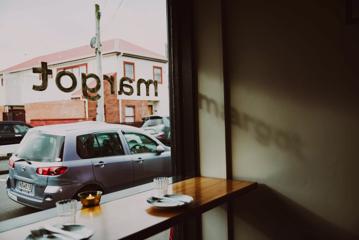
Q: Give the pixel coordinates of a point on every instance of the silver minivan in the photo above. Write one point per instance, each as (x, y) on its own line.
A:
(59, 161)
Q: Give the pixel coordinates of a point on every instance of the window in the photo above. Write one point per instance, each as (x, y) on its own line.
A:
(157, 74)
(98, 145)
(129, 114)
(40, 147)
(2, 82)
(21, 129)
(6, 129)
(110, 144)
(52, 106)
(129, 70)
(139, 143)
(87, 146)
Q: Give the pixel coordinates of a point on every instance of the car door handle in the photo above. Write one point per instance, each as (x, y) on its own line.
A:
(139, 161)
(100, 164)
(18, 135)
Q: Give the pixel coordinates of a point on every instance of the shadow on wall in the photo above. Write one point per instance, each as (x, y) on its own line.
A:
(291, 221)
(264, 133)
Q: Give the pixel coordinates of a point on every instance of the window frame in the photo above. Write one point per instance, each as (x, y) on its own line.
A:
(161, 75)
(134, 69)
(134, 113)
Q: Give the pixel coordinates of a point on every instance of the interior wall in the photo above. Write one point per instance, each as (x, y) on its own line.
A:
(211, 100)
(294, 71)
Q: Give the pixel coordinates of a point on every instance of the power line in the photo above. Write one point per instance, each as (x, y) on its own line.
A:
(113, 15)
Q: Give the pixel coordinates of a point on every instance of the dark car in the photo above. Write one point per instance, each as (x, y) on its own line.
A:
(159, 127)
(12, 132)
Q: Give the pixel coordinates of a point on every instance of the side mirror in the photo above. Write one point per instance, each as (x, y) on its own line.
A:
(160, 149)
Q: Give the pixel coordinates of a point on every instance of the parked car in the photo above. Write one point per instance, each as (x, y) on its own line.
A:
(11, 134)
(158, 127)
(59, 161)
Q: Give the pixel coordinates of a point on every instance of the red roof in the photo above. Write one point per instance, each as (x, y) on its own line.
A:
(114, 45)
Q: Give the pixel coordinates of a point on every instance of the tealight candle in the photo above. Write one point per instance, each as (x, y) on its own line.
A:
(90, 197)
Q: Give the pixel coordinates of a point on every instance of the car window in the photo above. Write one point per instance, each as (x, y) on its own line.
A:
(153, 122)
(6, 129)
(21, 129)
(139, 143)
(40, 147)
(87, 146)
(98, 145)
(109, 144)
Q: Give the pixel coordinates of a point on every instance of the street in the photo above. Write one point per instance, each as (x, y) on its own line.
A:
(8, 208)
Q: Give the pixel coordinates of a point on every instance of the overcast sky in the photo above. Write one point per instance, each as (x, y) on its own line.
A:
(32, 28)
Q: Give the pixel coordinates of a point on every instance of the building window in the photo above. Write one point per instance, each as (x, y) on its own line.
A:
(157, 74)
(130, 114)
(129, 70)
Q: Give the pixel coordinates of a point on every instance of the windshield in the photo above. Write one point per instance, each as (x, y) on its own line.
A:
(153, 122)
(40, 147)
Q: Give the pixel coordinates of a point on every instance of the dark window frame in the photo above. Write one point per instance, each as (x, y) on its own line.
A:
(184, 99)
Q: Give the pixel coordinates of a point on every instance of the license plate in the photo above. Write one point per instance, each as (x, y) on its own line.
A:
(24, 187)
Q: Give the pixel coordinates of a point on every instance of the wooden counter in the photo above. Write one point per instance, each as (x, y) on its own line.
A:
(133, 218)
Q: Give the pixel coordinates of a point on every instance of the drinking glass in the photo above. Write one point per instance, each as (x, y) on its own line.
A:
(161, 185)
(66, 210)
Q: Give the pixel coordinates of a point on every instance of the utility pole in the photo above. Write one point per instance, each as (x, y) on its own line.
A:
(100, 113)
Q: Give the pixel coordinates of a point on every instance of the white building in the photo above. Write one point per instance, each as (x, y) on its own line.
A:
(120, 58)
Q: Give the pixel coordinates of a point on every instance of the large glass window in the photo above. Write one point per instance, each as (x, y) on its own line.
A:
(51, 80)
